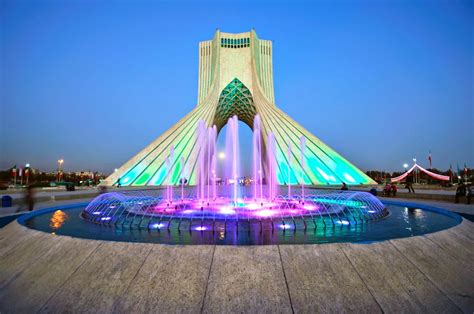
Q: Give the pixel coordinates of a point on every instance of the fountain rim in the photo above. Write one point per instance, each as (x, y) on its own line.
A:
(22, 219)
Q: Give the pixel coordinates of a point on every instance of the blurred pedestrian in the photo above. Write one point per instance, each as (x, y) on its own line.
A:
(393, 189)
(409, 184)
(28, 200)
(470, 191)
(460, 191)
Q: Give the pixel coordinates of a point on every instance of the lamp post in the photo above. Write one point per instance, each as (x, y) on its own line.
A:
(416, 171)
(27, 172)
(60, 163)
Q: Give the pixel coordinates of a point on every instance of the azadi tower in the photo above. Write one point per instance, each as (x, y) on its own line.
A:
(236, 78)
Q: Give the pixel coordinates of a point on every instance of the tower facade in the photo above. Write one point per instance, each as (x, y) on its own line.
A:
(236, 78)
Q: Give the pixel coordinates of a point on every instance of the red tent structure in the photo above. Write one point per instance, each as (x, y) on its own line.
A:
(431, 174)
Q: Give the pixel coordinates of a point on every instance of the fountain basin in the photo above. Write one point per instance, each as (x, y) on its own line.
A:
(335, 222)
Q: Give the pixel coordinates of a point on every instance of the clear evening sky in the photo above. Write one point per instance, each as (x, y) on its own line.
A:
(94, 82)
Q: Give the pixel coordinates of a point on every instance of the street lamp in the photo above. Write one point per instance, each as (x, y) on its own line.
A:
(27, 172)
(405, 165)
(415, 171)
(60, 163)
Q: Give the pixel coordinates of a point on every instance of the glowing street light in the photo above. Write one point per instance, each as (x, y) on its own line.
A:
(405, 165)
(115, 170)
(60, 163)
(221, 155)
(27, 172)
(416, 171)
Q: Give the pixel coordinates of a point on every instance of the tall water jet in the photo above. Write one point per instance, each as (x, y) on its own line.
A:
(208, 166)
(289, 169)
(257, 159)
(201, 133)
(302, 162)
(169, 168)
(232, 153)
(271, 163)
(214, 175)
(182, 177)
(211, 150)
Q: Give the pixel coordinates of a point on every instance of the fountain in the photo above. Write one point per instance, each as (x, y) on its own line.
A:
(234, 213)
(209, 207)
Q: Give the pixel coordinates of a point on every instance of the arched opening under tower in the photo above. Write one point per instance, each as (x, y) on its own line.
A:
(245, 151)
(235, 100)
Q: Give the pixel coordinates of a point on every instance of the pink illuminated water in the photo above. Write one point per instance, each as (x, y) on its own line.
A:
(289, 168)
(264, 164)
(201, 141)
(232, 166)
(271, 165)
(302, 161)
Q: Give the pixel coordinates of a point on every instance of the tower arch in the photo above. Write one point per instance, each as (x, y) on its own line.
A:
(235, 100)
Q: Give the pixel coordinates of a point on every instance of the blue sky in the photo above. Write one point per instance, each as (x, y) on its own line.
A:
(94, 82)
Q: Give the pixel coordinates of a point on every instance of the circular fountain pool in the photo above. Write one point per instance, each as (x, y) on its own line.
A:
(321, 216)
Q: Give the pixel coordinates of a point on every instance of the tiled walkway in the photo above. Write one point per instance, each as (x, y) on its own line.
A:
(48, 273)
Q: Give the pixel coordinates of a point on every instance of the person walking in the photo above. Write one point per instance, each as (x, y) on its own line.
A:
(460, 191)
(470, 191)
(30, 198)
(28, 201)
(409, 184)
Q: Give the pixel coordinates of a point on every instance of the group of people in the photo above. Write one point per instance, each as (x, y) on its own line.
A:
(390, 189)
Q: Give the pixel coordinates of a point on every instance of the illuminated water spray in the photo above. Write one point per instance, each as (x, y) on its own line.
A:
(201, 140)
(182, 177)
(233, 159)
(169, 167)
(302, 162)
(289, 168)
(271, 165)
(257, 160)
(207, 207)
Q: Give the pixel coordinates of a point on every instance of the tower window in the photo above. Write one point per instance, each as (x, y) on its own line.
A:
(236, 43)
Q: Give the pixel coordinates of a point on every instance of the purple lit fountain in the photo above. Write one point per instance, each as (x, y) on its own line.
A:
(210, 206)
